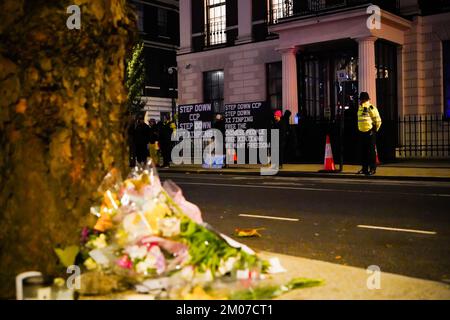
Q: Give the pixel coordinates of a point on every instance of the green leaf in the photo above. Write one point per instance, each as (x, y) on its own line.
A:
(299, 283)
(68, 255)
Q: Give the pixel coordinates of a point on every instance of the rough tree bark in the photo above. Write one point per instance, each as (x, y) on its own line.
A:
(62, 123)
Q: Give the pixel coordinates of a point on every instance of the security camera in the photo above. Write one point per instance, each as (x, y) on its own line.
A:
(172, 70)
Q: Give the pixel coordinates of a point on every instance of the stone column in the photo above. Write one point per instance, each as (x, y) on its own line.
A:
(185, 26)
(367, 74)
(245, 21)
(290, 88)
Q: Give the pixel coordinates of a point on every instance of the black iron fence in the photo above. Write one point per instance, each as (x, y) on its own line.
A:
(408, 137)
(423, 136)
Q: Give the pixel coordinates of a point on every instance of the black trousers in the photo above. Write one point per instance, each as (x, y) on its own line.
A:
(368, 155)
(166, 152)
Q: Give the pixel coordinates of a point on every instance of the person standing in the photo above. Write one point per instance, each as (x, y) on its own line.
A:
(153, 142)
(131, 128)
(219, 124)
(165, 140)
(369, 122)
(142, 138)
(280, 125)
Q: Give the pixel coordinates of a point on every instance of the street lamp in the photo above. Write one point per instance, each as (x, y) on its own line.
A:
(173, 71)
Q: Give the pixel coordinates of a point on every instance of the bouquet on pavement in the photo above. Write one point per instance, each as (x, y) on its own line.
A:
(151, 237)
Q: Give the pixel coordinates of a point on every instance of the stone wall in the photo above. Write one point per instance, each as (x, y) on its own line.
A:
(422, 64)
(244, 71)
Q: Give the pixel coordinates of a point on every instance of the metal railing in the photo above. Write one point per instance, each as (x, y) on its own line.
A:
(215, 33)
(423, 136)
(280, 10)
(285, 9)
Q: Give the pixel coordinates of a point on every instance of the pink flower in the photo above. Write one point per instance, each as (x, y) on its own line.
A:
(125, 262)
(84, 235)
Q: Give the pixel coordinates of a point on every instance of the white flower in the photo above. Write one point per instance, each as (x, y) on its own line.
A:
(149, 263)
(136, 252)
(99, 242)
(187, 273)
(227, 266)
(170, 227)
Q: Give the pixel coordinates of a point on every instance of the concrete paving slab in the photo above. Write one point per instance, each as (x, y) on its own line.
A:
(350, 283)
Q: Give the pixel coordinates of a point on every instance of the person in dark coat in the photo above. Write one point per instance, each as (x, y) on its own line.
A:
(290, 146)
(165, 140)
(153, 142)
(131, 143)
(282, 127)
(141, 139)
(219, 124)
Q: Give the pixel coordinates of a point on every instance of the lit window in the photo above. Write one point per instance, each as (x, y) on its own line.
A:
(213, 89)
(280, 9)
(215, 22)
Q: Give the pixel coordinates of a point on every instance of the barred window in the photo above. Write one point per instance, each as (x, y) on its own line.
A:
(215, 22)
(280, 9)
(213, 89)
(275, 85)
(162, 22)
(140, 16)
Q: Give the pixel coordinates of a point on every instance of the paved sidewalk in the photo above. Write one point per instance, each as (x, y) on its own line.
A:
(350, 283)
(402, 170)
(340, 283)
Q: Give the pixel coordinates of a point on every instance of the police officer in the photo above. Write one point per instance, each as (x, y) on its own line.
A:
(369, 122)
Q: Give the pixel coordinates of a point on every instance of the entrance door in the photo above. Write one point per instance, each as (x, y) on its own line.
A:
(328, 86)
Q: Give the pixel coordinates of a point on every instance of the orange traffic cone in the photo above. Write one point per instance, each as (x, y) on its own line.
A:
(329, 162)
(377, 160)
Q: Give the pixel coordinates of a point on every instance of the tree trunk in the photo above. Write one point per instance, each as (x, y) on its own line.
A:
(62, 123)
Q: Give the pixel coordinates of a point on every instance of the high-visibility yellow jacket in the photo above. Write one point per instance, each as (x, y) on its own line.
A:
(368, 117)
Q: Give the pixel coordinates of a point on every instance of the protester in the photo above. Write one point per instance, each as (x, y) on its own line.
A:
(153, 142)
(282, 126)
(141, 140)
(131, 140)
(165, 129)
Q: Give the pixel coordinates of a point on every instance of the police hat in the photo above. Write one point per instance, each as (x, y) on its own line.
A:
(364, 96)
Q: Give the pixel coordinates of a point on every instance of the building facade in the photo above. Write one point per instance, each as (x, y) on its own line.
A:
(313, 57)
(158, 24)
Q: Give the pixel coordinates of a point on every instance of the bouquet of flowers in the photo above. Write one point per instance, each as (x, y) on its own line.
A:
(148, 234)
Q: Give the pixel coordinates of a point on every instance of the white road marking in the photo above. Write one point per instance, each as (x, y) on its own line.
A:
(268, 217)
(310, 189)
(397, 229)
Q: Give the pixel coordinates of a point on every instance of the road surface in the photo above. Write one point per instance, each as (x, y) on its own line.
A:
(400, 226)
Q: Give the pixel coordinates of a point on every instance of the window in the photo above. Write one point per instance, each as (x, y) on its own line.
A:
(446, 63)
(162, 22)
(280, 9)
(213, 89)
(275, 85)
(316, 91)
(140, 16)
(215, 22)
